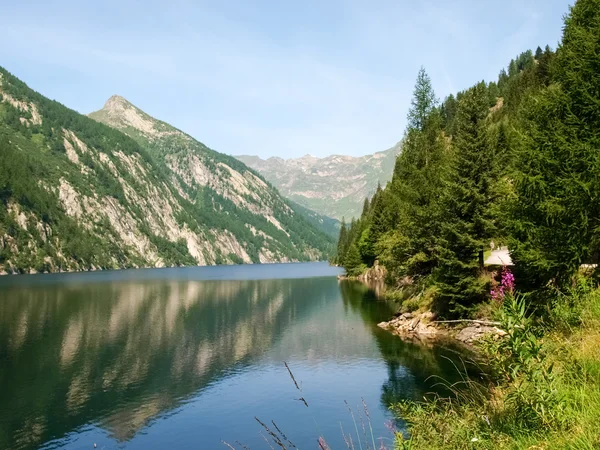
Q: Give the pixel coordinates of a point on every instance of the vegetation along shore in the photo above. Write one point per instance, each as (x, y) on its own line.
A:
(515, 162)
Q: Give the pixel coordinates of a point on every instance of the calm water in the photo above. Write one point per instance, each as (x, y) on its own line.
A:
(182, 358)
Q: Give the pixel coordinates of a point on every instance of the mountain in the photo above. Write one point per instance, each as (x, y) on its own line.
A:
(78, 195)
(323, 223)
(195, 166)
(335, 186)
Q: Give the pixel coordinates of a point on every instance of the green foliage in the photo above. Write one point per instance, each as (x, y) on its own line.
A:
(174, 253)
(21, 162)
(411, 304)
(342, 244)
(235, 259)
(326, 225)
(366, 246)
(353, 262)
(467, 223)
(523, 168)
(556, 215)
(545, 392)
(423, 102)
(490, 163)
(412, 207)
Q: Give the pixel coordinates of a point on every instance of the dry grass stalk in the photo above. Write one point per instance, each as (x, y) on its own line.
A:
(275, 437)
(283, 434)
(292, 376)
(266, 440)
(322, 444)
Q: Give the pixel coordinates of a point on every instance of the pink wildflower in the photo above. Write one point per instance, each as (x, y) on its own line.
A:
(507, 285)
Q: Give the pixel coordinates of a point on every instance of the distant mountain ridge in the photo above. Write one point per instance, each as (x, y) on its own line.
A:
(335, 186)
(78, 195)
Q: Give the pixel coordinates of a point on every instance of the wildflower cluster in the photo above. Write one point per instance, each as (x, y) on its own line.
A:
(507, 285)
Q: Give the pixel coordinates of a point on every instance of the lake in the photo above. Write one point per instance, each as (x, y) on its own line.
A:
(187, 357)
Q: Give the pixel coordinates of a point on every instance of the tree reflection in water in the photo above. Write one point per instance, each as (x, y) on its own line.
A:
(120, 353)
(415, 368)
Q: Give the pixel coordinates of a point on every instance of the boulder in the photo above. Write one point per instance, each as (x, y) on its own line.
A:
(409, 325)
(475, 332)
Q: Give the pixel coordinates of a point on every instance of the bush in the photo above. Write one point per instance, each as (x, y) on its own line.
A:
(411, 304)
(567, 307)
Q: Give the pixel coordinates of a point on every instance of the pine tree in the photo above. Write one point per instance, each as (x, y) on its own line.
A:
(342, 242)
(448, 112)
(556, 217)
(365, 210)
(538, 53)
(513, 69)
(423, 102)
(411, 204)
(366, 246)
(493, 93)
(353, 262)
(544, 67)
(378, 219)
(467, 222)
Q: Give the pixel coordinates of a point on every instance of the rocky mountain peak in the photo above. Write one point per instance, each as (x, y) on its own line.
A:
(116, 102)
(335, 186)
(120, 113)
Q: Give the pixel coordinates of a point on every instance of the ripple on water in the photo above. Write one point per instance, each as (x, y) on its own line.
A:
(166, 359)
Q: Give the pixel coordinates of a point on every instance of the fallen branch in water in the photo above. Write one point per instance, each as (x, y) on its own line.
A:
(481, 322)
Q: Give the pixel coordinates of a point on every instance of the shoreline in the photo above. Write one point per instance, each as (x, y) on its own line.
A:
(3, 271)
(422, 326)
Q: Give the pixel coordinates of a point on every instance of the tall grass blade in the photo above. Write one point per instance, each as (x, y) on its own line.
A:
(355, 426)
(369, 420)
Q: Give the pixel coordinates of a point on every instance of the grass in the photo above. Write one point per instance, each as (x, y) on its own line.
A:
(547, 389)
(412, 298)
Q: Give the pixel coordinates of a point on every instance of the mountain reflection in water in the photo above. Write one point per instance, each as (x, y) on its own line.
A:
(104, 359)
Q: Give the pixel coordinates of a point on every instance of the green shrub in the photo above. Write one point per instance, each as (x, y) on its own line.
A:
(411, 304)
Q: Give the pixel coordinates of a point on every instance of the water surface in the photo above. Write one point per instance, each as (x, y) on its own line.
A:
(183, 358)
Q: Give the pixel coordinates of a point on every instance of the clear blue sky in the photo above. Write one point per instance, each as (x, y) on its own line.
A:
(272, 78)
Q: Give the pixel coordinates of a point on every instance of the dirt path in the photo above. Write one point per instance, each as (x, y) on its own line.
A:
(499, 257)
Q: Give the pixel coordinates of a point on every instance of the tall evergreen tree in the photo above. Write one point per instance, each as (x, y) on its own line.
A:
(353, 262)
(556, 217)
(448, 112)
(513, 68)
(342, 243)
(467, 223)
(365, 210)
(423, 102)
(408, 246)
(493, 93)
(538, 53)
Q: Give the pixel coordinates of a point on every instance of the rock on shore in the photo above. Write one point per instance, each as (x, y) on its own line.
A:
(411, 325)
(423, 326)
(475, 332)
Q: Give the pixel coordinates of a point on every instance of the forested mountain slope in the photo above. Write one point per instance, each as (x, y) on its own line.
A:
(489, 164)
(202, 174)
(335, 186)
(77, 194)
